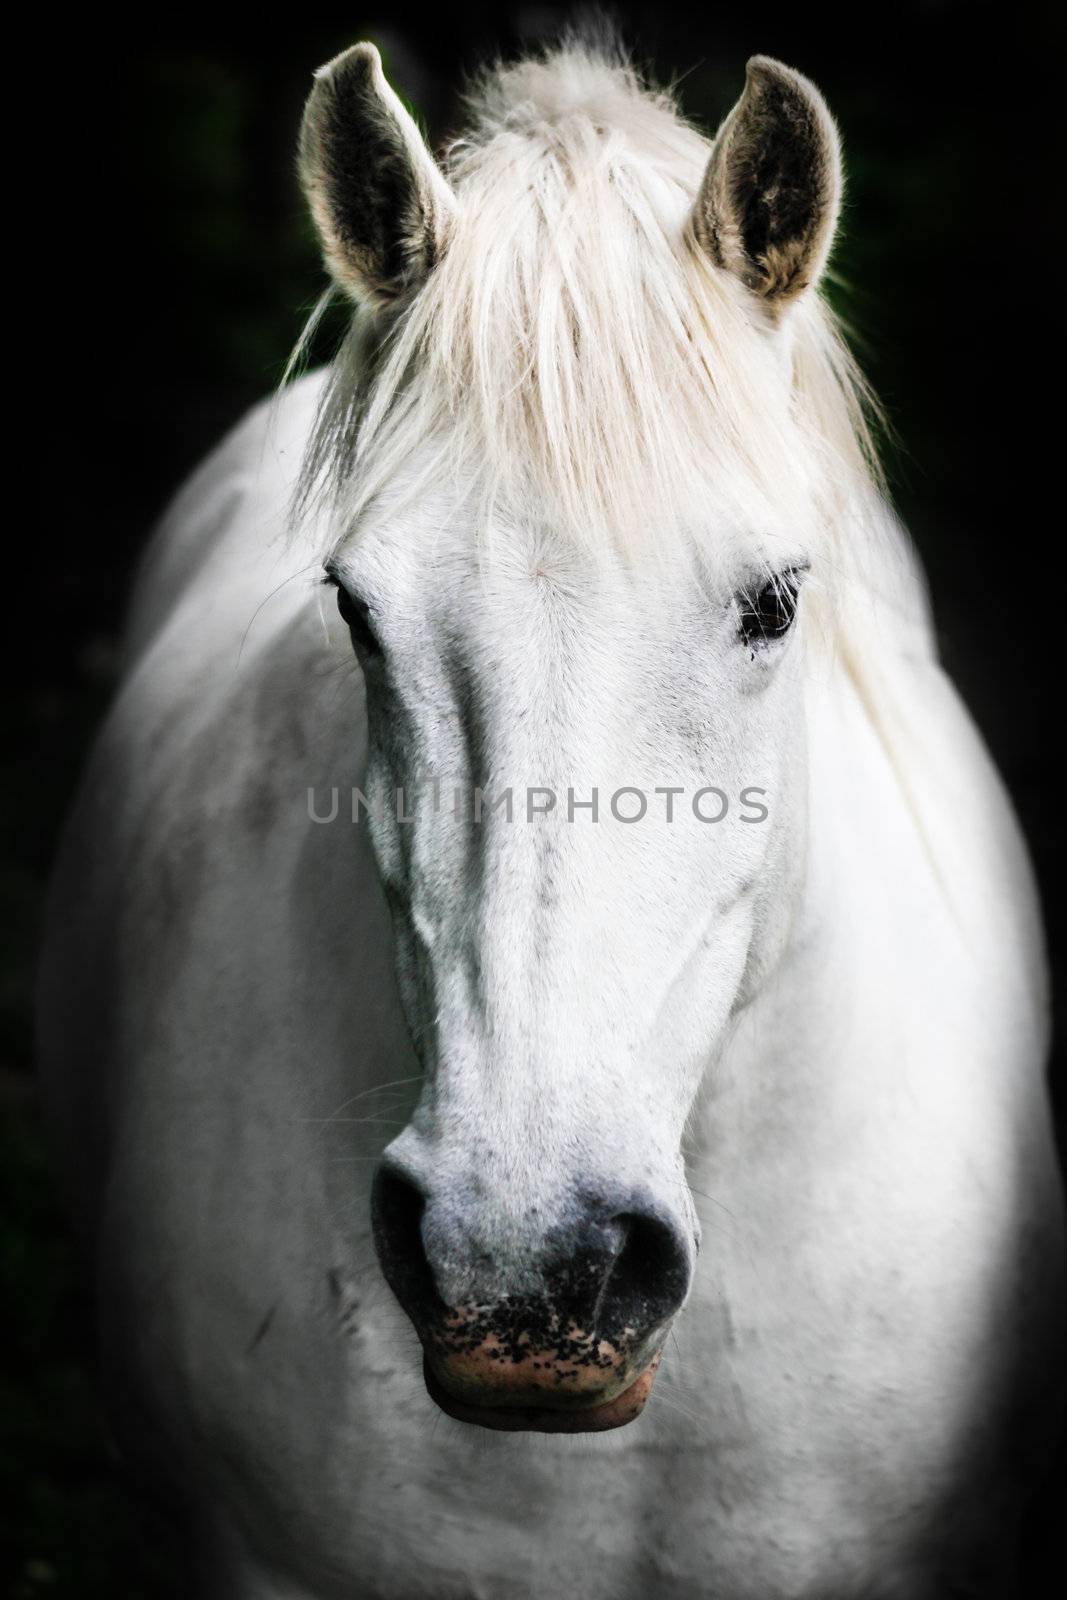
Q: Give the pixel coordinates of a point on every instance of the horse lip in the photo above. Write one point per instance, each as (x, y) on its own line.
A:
(595, 1418)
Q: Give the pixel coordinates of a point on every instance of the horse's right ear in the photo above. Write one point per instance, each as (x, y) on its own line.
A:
(768, 205)
(381, 204)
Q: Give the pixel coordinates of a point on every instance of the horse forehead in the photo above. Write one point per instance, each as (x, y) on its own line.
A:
(428, 551)
(452, 579)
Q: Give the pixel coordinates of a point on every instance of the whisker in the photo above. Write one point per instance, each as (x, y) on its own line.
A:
(375, 1088)
(386, 1122)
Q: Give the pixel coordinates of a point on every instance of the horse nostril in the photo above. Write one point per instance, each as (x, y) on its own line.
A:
(397, 1207)
(649, 1277)
(620, 1275)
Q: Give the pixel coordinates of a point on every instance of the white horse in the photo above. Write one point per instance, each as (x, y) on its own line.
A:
(721, 1007)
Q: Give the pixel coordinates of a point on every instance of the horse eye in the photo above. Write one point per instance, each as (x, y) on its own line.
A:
(356, 615)
(768, 614)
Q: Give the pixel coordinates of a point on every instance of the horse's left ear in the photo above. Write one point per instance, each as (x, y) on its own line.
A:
(381, 204)
(768, 205)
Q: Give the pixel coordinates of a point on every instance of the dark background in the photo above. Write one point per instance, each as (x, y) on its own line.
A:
(166, 269)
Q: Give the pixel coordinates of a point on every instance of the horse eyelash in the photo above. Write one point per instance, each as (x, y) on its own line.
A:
(779, 578)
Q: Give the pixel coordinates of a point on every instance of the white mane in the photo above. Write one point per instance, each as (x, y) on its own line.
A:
(576, 351)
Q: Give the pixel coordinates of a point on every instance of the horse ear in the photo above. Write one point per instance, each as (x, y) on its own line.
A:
(769, 201)
(380, 203)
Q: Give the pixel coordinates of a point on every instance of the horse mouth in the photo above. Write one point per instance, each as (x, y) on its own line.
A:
(566, 1417)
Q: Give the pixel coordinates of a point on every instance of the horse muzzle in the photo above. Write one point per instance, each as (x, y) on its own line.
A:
(559, 1334)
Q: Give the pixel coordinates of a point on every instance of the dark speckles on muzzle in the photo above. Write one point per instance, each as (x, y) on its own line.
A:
(552, 1332)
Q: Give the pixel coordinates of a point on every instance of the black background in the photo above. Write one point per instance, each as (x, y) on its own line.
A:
(163, 270)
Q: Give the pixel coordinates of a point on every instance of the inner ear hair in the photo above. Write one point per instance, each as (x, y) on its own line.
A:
(769, 202)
